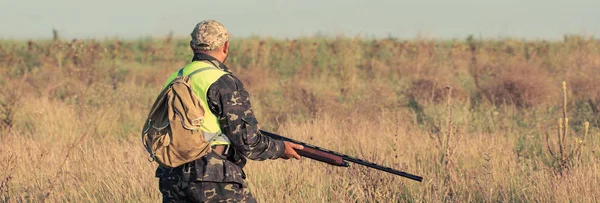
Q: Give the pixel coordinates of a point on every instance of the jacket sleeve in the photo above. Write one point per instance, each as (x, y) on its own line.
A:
(230, 102)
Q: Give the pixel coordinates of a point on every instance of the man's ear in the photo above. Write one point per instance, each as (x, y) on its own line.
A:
(226, 48)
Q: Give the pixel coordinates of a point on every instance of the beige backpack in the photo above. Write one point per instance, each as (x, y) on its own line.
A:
(172, 133)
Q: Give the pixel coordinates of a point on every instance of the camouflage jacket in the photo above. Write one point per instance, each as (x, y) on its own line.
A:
(230, 102)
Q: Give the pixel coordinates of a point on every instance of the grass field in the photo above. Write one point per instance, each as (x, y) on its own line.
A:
(71, 114)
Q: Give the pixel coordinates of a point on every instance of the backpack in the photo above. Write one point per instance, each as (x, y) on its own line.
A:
(172, 131)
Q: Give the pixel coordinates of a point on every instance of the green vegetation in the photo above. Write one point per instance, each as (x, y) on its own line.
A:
(71, 114)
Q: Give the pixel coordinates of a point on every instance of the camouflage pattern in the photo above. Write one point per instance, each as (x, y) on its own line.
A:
(209, 35)
(204, 192)
(228, 99)
(213, 178)
(239, 123)
(223, 174)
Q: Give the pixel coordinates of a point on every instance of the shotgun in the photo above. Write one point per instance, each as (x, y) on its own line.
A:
(337, 159)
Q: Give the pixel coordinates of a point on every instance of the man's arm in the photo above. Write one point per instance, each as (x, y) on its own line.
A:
(231, 103)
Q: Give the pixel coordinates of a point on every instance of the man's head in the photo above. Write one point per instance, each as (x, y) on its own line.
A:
(210, 37)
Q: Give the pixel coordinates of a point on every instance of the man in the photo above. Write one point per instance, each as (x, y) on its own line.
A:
(218, 176)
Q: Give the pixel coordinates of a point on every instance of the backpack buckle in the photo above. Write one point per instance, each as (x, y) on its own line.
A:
(226, 150)
(152, 158)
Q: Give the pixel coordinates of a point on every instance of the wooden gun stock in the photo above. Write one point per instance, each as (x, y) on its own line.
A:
(322, 156)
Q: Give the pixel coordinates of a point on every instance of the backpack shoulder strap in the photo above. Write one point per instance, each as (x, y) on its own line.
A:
(200, 70)
(180, 73)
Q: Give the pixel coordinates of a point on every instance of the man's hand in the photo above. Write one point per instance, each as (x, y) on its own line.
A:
(290, 150)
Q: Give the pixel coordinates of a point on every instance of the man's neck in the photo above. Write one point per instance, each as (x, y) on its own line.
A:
(206, 57)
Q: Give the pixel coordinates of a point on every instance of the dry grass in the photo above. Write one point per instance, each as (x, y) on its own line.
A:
(75, 108)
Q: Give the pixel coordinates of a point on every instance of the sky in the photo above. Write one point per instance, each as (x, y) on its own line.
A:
(433, 19)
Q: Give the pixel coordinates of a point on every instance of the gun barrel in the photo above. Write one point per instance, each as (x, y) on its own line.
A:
(343, 157)
(386, 169)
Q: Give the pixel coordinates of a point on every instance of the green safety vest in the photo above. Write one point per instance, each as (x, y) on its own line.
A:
(200, 84)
